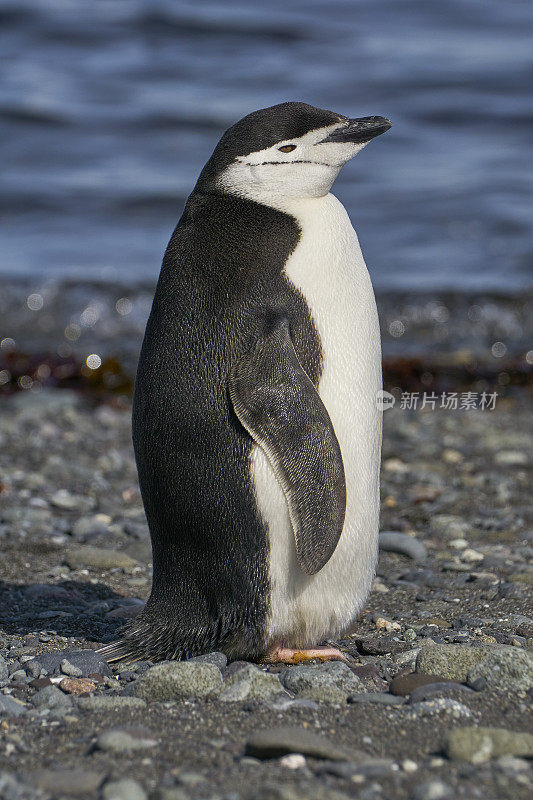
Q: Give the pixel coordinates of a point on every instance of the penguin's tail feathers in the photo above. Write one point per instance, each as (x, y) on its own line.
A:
(141, 641)
(118, 651)
(151, 639)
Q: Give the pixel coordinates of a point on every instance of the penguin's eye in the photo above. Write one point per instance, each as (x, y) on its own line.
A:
(287, 148)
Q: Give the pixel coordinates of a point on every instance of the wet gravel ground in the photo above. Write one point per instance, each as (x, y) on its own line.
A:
(451, 600)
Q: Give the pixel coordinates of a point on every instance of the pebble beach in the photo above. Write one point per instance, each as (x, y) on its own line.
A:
(434, 701)
(108, 112)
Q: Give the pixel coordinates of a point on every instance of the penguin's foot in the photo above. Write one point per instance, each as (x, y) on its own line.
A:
(285, 655)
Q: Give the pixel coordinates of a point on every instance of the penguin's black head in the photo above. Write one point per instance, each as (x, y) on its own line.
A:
(292, 150)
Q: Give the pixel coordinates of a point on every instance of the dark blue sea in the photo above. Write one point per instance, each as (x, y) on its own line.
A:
(109, 109)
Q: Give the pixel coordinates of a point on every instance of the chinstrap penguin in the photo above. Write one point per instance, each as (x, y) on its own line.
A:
(255, 423)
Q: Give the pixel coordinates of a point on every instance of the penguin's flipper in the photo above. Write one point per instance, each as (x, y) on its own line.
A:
(281, 410)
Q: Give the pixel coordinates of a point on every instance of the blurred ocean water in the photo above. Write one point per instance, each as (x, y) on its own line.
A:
(109, 109)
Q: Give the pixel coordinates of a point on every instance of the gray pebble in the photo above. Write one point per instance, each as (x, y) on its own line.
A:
(70, 669)
(125, 741)
(189, 778)
(250, 683)
(124, 789)
(512, 765)
(432, 690)
(4, 671)
(279, 741)
(10, 707)
(218, 659)
(88, 661)
(19, 676)
(394, 542)
(452, 661)
(433, 790)
(407, 658)
(70, 782)
(72, 502)
(98, 557)
(332, 682)
(34, 668)
(479, 744)
(449, 526)
(11, 788)
(509, 668)
(51, 697)
(175, 680)
(236, 693)
(89, 526)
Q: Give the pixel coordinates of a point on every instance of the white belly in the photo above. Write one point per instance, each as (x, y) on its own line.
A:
(328, 269)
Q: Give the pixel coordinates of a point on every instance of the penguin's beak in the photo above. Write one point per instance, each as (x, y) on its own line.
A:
(359, 131)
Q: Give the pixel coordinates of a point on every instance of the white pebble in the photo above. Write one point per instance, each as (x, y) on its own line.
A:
(293, 761)
(511, 458)
(458, 544)
(383, 624)
(452, 456)
(395, 465)
(471, 556)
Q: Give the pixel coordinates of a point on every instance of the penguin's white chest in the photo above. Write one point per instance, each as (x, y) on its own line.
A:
(327, 267)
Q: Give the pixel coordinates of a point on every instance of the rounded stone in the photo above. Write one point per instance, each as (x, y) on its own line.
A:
(332, 682)
(479, 744)
(429, 691)
(124, 789)
(250, 683)
(405, 684)
(395, 542)
(511, 458)
(4, 671)
(220, 660)
(175, 680)
(510, 669)
(77, 685)
(236, 693)
(70, 782)
(433, 790)
(87, 661)
(71, 502)
(98, 557)
(125, 741)
(51, 697)
(277, 742)
(450, 661)
(11, 707)
(70, 669)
